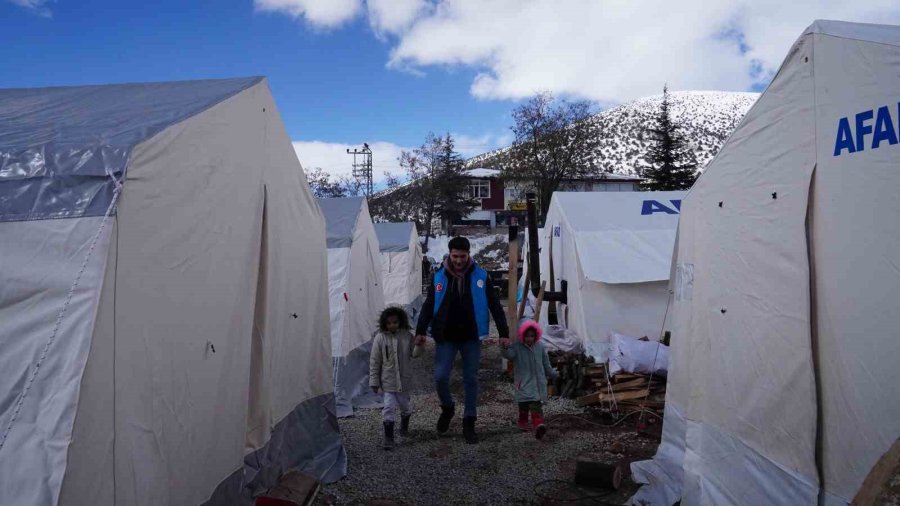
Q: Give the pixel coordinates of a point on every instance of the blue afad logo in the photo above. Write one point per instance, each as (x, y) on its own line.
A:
(854, 139)
(655, 206)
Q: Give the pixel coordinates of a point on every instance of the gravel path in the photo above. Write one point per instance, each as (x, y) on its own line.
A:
(507, 466)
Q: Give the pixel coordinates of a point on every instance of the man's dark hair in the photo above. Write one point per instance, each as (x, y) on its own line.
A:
(460, 243)
(399, 312)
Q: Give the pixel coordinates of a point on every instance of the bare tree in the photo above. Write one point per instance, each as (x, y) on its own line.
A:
(391, 181)
(555, 140)
(323, 185)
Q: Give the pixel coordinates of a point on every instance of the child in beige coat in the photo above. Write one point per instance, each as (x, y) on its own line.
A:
(390, 369)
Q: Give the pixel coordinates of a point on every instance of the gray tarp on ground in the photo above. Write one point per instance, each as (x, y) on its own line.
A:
(307, 440)
(58, 146)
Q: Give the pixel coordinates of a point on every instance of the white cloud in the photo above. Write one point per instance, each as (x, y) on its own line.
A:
(39, 7)
(394, 16)
(318, 13)
(469, 146)
(611, 51)
(332, 157)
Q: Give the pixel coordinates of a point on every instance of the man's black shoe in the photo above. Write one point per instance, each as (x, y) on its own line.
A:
(443, 423)
(469, 430)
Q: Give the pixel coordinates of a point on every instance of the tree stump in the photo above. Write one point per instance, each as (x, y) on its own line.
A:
(591, 473)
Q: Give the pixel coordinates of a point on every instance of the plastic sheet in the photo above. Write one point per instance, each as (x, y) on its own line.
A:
(351, 381)
(308, 440)
(58, 146)
(340, 217)
(558, 338)
(394, 237)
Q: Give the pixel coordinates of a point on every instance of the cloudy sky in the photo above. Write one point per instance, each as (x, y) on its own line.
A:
(387, 72)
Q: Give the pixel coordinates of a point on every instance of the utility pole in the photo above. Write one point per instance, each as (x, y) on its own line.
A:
(362, 171)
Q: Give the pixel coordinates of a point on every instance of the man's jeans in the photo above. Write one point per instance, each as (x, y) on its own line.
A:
(445, 353)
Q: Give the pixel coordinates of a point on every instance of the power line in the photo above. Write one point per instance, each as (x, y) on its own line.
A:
(362, 171)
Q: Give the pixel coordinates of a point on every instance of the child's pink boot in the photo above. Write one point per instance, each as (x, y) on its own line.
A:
(523, 420)
(537, 419)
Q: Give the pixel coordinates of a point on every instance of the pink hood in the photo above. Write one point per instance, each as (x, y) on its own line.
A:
(529, 325)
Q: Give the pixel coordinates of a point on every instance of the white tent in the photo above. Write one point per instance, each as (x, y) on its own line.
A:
(612, 251)
(401, 256)
(785, 311)
(356, 298)
(162, 311)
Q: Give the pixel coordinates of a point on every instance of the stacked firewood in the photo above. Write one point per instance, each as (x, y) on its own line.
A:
(572, 368)
(590, 385)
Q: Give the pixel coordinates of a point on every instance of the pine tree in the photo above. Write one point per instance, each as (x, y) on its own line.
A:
(454, 201)
(671, 164)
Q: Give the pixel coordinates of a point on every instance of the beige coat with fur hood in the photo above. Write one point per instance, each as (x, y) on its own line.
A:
(389, 362)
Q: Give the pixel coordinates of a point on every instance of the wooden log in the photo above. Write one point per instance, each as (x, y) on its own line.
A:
(293, 489)
(645, 403)
(879, 477)
(552, 276)
(539, 303)
(624, 376)
(625, 396)
(524, 301)
(603, 396)
(592, 473)
(625, 385)
(512, 286)
(622, 396)
(587, 400)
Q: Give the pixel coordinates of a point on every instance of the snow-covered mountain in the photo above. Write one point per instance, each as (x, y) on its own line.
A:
(706, 119)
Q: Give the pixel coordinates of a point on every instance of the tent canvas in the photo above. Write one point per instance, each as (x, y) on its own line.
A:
(151, 262)
(401, 256)
(784, 317)
(613, 250)
(356, 298)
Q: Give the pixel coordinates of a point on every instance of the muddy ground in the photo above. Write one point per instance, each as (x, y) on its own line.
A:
(506, 467)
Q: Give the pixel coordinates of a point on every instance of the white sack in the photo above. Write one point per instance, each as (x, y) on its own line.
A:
(628, 354)
(558, 338)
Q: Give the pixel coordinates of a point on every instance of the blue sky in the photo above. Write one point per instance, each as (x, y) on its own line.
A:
(387, 72)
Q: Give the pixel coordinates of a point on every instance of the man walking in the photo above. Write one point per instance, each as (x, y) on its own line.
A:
(460, 301)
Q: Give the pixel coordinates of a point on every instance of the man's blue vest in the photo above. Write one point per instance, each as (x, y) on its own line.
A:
(478, 289)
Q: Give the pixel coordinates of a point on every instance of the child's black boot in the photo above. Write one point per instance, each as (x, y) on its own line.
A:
(404, 425)
(388, 443)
